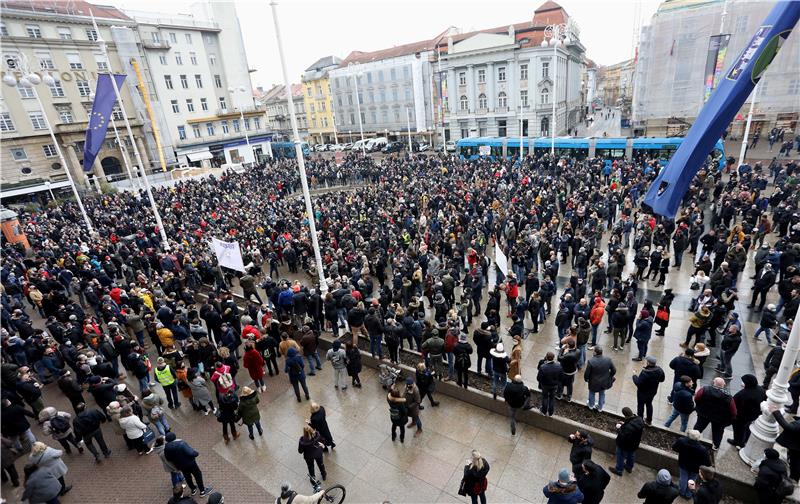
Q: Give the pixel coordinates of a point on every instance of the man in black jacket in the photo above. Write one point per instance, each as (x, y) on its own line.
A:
(86, 426)
(729, 347)
(183, 457)
(568, 358)
(629, 435)
(647, 387)
(748, 408)
(772, 363)
(691, 455)
(708, 491)
(684, 365)
(762, 285)
(549, 378)
(716, 407)
(592, 480)
(517, 396)
(581, 450)
(661, 491)
(790, 439)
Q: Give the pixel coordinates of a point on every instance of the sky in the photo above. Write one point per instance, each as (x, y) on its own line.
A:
(315, 29)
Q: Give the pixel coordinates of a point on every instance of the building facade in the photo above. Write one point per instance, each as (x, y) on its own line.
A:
(394, 89)
(502, 82)
(318, 100)
(615, 82)
(277, 113)
(199, 72)
(671, 69)
(58, 39)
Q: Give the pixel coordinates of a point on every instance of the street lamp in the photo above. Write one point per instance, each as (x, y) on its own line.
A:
(30, 80)
(556, 35)
(241, 89)
(358, 109)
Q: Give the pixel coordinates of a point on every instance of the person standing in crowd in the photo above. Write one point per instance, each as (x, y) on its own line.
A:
(569, 359)
(41, 485)
(228, 406)
(310, 446)
(463, 362)
(691, 455)
(682, 402)
(581, 449)
(629, 435)
(297, 376)
(642, 334)
(660, 491)
(248, 411)
(728, 348)
(338, 359)
(184, 458)
(201, 397)
(57, 424)
(715, 406)
(135, 430)
(771, 472)
(413, 402)
(425, 383)
(44, 456)
(319, 422)
(549, 378)
(500, 363)
(165, 376)
(564, 490)
(254, 363)
(398, 413)
(647, 382)
(353, 355)
(708, 489)
(86, 426)
(517, 396)
(474, 482)
(748, 407)
(592, 480)
(684, 365)
(599, 376)
(790, 439)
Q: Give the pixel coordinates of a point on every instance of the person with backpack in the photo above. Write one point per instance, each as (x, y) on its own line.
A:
(57, 425)
(462, 352)
(222, 379)
(337, 356)
(398, 413)
(297, 376)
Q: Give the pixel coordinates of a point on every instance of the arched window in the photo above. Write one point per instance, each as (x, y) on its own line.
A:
(544, 129)
(464, 103)
(545, 95)
(502, 100)
(482, 101)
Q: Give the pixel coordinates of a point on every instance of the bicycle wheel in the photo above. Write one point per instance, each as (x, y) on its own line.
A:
(333, 495)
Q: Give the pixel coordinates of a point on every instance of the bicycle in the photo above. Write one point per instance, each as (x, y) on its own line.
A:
(334, 494)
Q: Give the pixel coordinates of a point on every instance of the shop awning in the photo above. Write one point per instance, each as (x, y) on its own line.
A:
(199, 156)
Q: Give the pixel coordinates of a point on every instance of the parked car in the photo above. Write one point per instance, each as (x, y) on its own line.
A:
(393, 147)
(424, 147)
(376, 144)
(347, 146)
(450, 146)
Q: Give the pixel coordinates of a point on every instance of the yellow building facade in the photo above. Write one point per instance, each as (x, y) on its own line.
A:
(318, 101)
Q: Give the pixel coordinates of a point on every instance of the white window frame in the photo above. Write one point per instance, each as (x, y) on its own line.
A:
(198, 81)
(188, 38)
(6, 124)
(523, 71)
(463, 103)
(34, 31)
(182, 133)
(193, 57)
(64, 32)
(501, 74)
(84, 89)
(189, 105)
(38, 120)
(168, 82)
(184, 81)
(196, 131)
(26, 93)
(502, 99)
(225, 128)
(173, 37)
(162, 59)
(46, 61)
(176, 108)
(66, 116)
(481, 75)
(49, 151)
(91, 34)
(210, 128)
(462, 78)
(178, 59)
(203, 104)
(75, 62)
(56, 90)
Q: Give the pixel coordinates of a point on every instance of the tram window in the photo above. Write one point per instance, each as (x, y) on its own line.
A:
(497, 151)
(610, 153)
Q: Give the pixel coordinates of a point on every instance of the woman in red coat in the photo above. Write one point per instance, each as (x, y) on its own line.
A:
(254, 363)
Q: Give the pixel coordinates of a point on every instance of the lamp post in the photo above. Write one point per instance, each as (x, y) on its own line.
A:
(301, 163)
(241, 89)
(408, 127)
(358, 109)
(30, 80)
(556, 35)
(764, 431)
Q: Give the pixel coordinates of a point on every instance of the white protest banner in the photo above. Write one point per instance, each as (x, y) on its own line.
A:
(228, 254)
(500, 259)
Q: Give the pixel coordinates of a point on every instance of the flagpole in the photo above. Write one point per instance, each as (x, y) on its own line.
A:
(104, 49)
(301, 164)
(122, 147)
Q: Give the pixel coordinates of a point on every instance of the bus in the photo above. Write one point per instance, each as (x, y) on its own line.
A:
(281, 150)
(606, 148)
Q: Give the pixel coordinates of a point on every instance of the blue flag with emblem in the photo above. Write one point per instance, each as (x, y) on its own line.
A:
(104, 99)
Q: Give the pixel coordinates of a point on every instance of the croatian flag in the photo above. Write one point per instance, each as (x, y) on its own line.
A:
(104, 99)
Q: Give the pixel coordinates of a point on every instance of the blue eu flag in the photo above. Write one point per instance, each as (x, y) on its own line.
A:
(104, 99)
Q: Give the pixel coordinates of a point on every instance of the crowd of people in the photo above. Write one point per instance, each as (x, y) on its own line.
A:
(408, 262)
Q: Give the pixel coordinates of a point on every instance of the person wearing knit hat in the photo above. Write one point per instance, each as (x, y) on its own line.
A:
(563, 490)
(660, 490)
(462, 361)
(748, 407)
(771, 473)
